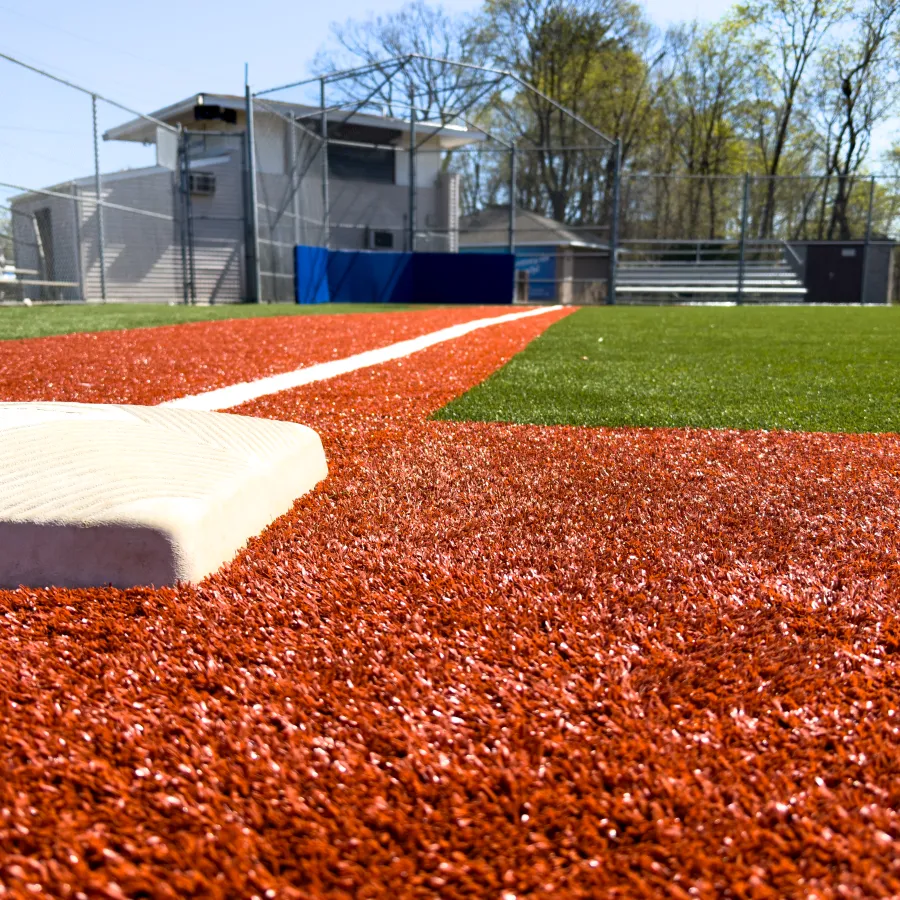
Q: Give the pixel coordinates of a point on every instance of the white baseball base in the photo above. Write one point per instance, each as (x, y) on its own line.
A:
(94, 495)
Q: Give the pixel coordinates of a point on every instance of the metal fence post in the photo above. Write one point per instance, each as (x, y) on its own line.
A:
(865, 262)
(512, 198)
(79, 265)
(183, 186)
(742, 257)
(253, 272)
(323, 127)
(98, 188)
(189, 271)
(411, 241)
(614, 225)
(295, 181)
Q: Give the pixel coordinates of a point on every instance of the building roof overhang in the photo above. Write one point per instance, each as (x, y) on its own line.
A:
(357, 126)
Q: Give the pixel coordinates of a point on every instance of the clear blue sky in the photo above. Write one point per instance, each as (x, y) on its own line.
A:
(150, 55)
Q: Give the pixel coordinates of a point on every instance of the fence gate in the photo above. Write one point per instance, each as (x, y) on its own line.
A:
(211, 225)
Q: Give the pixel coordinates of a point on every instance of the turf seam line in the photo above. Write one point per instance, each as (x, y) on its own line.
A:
(236, 394)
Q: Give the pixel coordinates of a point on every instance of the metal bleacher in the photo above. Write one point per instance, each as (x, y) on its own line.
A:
(709, 273)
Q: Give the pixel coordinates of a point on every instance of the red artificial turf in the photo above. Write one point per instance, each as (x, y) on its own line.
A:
(151, 365)
(483, 661)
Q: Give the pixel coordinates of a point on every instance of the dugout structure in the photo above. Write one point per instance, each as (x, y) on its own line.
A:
(419, 155)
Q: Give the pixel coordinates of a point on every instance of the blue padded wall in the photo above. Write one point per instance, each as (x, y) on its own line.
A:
(479, 278)
(370, 276)
(380, 276)
(311, 273)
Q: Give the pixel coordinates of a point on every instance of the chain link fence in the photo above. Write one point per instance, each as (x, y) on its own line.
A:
(210, 216)
(757, 239)
(551, 207)
(580, 233)
(92, 197)
(383, 180)
(99, 202)
(290, 192)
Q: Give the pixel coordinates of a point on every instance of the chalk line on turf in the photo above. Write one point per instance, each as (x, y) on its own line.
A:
(236, 394)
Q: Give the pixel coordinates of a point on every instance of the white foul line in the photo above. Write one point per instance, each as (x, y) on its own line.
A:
(236, 394)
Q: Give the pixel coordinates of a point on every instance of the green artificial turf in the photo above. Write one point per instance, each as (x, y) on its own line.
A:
(41, 321)
(796, 368)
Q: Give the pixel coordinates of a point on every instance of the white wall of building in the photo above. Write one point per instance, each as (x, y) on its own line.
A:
(428, 164)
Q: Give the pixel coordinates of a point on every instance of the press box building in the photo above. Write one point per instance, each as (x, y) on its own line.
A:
(177, 222)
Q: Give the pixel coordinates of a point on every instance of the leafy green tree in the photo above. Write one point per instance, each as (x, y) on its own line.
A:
(778, 87)
(601, 60)
(702, 108)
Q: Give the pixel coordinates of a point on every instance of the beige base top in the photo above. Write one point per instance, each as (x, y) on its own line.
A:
(93, 495)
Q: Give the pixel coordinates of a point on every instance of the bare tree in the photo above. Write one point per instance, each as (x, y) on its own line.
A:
(858, 86)
(788, 35)
(441, 90)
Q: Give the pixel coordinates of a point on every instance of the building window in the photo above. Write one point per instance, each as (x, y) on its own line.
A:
(203, 183)
(352, 163)
(210, 112)
(381, 240)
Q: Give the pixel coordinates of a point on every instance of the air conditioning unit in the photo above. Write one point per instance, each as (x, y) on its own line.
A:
(380, 240)
(202, 183)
